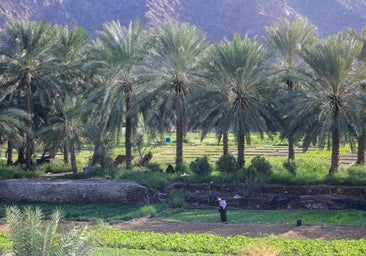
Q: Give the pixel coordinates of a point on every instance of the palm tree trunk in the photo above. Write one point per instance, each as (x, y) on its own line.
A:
(29, 139)
(240, 138)
(66, 153)
(225, 142)
(74, 167)
(21, 157)
(291, 149)
(98, 154)
(361, 148)
(9, 154)
(179, 139)
(336, 143)
(128, 134)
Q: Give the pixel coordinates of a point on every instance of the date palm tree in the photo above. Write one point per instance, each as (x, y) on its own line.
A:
(28, 66)
(329, 108)
(360, 68)
(32, 235)
(288, 40)
(13, 127)
(238, 77)
(207, 113)
(69, 53)
(67, 127)
(173, 72)
(119, 49)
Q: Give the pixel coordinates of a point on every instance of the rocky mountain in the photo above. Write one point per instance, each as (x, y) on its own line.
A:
(218, 18)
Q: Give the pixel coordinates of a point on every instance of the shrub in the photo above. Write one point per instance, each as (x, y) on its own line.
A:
(154, 167)
(227, 164)
(33, 236)
(17, 172)
(182, 168)
(56, 167)
(177, 199)
(201, 166)
(290, 166)
(154, 180)
(259, 168)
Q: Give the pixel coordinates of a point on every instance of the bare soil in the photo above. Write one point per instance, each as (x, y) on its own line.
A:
(250, 230)
(232, 229)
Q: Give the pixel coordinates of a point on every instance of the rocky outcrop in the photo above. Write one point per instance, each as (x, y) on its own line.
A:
(73, 191)
(273, 197)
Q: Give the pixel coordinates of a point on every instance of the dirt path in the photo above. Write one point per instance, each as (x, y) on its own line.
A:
(232, 229)
(251, 230)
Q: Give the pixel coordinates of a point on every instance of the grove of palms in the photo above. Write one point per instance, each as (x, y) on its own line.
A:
(60, 88)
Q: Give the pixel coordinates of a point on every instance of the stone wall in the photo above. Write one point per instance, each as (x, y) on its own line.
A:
(86, 191)
(272, 197)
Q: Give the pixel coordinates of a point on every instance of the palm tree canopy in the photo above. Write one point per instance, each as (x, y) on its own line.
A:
(289, 39)
(238, 68)
(176, 54)
(27, 47)
(116, 58)
(174, 69)
(332, 90)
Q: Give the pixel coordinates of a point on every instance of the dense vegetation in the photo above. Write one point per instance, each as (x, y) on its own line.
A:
(61, 90)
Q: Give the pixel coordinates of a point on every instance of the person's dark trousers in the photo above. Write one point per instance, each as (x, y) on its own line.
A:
(223, 214)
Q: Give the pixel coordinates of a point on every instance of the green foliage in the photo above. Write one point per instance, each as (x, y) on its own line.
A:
(103, 251)
(227, 164)
(177, 199)
(309, 217)
(108, 212)
(32, 235)
(231, 177)
(357, 172)
(182, 168)
(56, 167)
(252, 184)
(290, 166)
(259, 168)
(154, 167)
(155, 180)
(201, 166)
(18, 172)
(6, 245)
(217, 245)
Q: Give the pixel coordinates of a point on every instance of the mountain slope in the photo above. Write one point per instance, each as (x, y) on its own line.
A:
(218, 18)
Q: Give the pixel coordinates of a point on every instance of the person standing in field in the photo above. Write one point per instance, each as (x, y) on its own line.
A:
(222, 209)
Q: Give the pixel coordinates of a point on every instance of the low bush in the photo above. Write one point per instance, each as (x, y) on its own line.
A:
(154, 180)
(201, 166)
(177, 199)
(154, 167)
(18, 172)
(182, 168)
(259, 168)
(227, 164)
(290, 166)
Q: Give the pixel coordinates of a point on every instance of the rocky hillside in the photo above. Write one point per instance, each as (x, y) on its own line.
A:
(218, 18)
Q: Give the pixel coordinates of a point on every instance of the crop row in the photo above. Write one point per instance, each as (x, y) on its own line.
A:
(205, 243)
